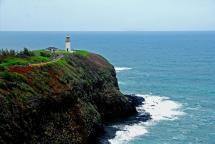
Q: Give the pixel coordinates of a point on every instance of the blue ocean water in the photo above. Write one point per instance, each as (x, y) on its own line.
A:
(174, 71)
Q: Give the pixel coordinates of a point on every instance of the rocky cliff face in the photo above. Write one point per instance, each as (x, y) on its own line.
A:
(63, 102)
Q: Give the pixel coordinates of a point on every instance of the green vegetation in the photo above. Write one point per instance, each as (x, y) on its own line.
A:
(6, 52)
(82, 53)
(45, 54)
(12, 76)
(61, 52)
(25, 57)
(25, 53)
(13, 60)
(10, 57)
(76, 52)
(63, 101)
(37, 52)
(61, 61)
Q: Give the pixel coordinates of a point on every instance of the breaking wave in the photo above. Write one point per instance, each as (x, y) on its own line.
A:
(119, 69)
(160, 108)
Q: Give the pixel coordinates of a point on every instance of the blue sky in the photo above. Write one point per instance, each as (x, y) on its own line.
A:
(107, 15)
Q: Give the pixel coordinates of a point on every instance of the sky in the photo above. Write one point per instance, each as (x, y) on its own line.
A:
(107, 15)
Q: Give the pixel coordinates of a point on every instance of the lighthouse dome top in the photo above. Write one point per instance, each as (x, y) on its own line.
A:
(68, 38)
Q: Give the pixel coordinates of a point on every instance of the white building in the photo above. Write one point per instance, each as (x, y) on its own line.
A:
(68, 44)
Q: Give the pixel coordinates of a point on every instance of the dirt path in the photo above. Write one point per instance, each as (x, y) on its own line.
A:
(45, 63)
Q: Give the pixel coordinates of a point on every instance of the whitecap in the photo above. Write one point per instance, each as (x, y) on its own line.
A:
(160, 108)
(119, 69)
(121, 83)
(128, 132)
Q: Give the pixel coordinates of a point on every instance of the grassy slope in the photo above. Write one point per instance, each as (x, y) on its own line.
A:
(14, 60)
(9, 61)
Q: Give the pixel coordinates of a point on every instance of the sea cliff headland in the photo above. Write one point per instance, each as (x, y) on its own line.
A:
(60, 99)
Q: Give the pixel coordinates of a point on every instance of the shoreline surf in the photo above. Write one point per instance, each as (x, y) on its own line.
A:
(160, 109)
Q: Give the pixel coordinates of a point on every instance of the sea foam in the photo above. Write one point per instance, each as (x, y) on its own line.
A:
(119, 69)
(160, 108)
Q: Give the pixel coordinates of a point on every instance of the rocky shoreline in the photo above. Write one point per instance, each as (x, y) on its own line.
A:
(107, 132)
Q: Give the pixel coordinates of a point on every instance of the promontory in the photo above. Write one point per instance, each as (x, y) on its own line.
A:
(61, 98)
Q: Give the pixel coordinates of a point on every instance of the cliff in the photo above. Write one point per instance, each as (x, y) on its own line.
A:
(65, 101)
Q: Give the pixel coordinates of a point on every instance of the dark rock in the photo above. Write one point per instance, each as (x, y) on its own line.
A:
(144, 116)
(136, 100)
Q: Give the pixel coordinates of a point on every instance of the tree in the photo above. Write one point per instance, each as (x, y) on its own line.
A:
(25, 53)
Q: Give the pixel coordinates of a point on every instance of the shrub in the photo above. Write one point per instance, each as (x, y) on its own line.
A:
(6, 52)
(2, 84)
(45, 54)
(12, 76)
(5, 75)
(25, 53)
(2, 68)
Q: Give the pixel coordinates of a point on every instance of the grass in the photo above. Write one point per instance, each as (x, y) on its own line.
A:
(78, 52)
(61, 62)
(8, 61)
(37, 52)
(12, 76)
(82, 53)
(37, 58)
(14, 60)
(61, 52)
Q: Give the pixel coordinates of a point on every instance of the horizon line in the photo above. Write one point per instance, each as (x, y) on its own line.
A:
(108, 31)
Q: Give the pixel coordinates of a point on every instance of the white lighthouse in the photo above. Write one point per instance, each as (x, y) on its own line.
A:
(68, 44)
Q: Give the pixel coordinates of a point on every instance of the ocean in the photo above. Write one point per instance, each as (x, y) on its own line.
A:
(173, 71)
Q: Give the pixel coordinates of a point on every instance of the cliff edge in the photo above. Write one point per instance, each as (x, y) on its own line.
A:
(64, 101)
